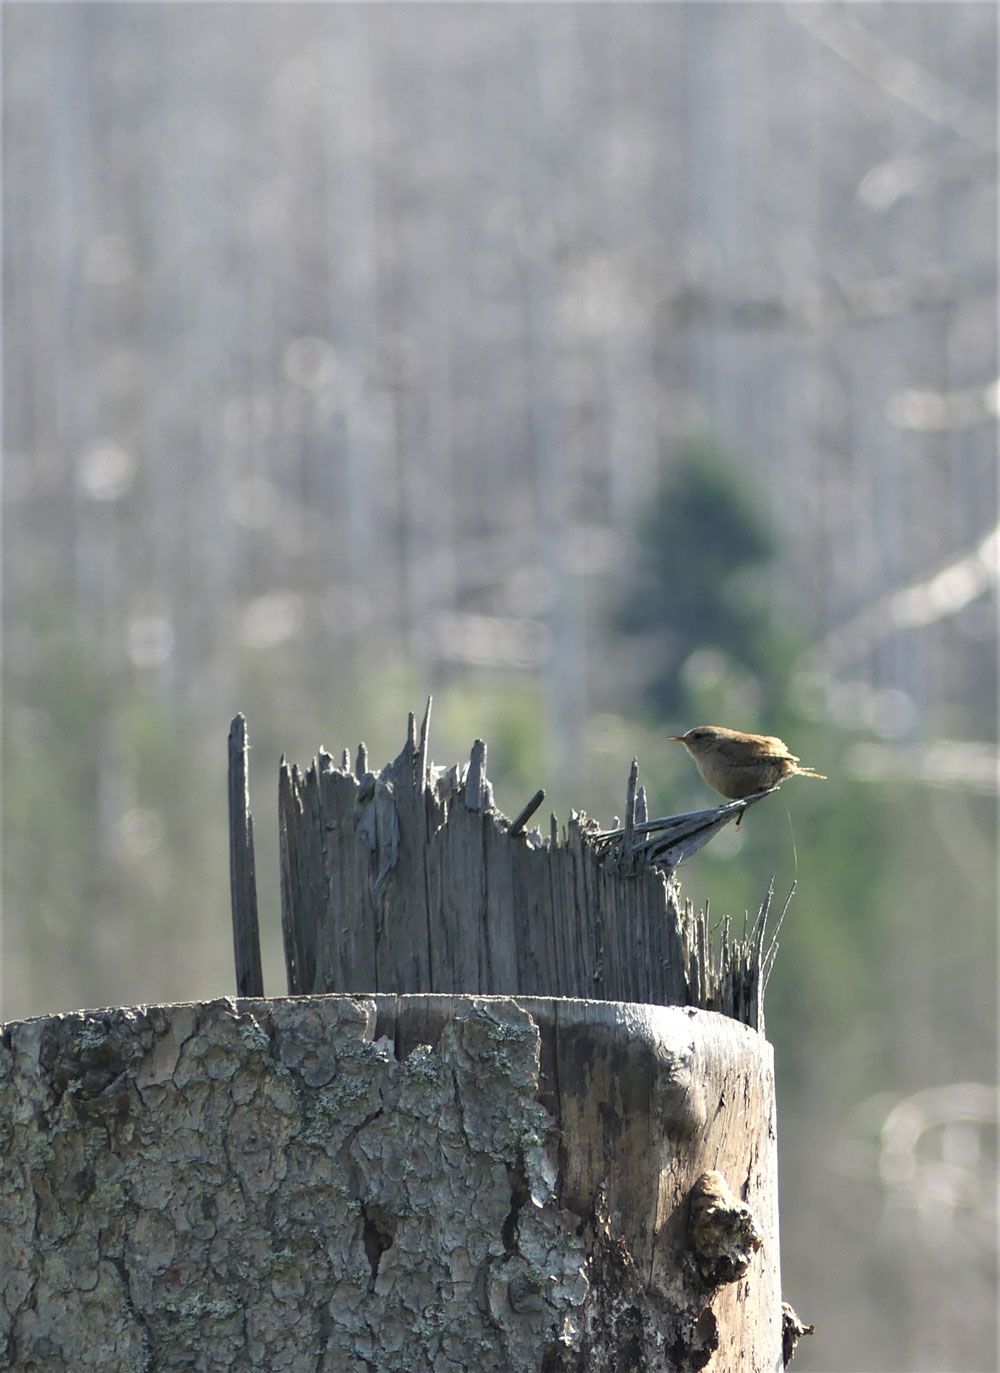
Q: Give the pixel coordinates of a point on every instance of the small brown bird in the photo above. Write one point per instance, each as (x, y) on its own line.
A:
(738, 764)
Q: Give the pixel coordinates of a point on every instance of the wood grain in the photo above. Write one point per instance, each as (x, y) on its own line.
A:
(411, 880)
(242, 868)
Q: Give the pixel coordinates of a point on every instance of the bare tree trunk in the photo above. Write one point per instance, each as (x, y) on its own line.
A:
(389, 1183)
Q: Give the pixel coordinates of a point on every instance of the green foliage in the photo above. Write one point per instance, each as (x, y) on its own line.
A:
(508, 713)
(51, 747)
(721, 653)
(115, 848)
(702, 544)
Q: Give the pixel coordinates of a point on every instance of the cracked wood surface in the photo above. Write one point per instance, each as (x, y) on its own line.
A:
(381, 1183)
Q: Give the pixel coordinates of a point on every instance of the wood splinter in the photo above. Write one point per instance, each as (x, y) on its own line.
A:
(792, 1329)
(524, 815)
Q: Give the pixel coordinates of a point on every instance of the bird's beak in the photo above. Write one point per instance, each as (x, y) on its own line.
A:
(675, 738)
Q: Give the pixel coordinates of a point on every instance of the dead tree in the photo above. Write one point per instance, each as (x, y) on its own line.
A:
(410, 880)
(529, 1125)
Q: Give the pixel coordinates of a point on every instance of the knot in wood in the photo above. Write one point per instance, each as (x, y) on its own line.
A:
(677, 1091)
(723, 1231)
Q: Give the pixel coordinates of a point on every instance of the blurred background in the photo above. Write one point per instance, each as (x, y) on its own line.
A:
(602, 369)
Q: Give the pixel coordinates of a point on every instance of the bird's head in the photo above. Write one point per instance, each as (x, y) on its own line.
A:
(697, 739)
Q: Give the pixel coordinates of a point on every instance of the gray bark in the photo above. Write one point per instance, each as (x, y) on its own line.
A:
(392, 1184)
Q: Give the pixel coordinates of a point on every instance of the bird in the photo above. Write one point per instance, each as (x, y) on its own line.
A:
(738, 765)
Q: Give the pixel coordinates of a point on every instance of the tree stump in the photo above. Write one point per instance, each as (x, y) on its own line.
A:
(552, 1174)
(411, 880)
(401, 1184)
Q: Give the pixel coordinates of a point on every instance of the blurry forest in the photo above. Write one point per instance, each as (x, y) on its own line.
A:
(602, 369)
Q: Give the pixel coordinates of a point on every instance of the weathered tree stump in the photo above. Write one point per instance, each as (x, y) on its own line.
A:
(407, 1185)
(551, 1174)
(410, 880)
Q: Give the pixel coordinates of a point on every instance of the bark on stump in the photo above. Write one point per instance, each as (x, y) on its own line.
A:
(349, 1184)
(546, 1175)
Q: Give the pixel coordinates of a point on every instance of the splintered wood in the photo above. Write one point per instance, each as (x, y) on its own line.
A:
(410, 880)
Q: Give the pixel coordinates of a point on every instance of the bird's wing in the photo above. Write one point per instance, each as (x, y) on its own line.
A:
(777, 748)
